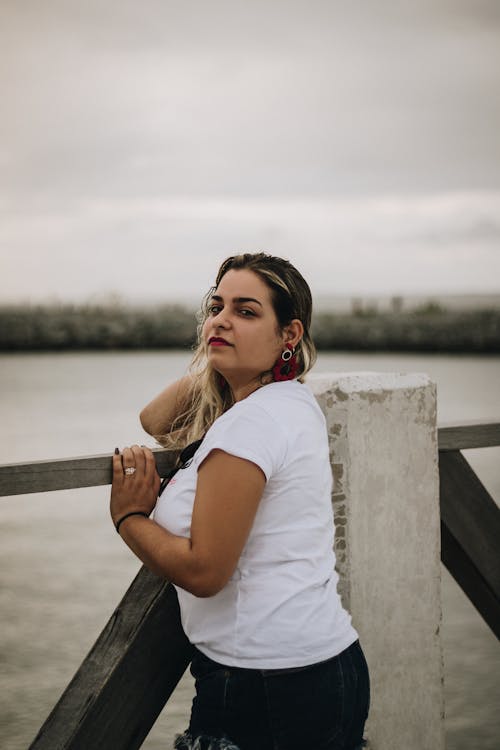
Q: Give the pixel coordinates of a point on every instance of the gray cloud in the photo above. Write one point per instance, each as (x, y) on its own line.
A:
(280, 97)
(251, 104)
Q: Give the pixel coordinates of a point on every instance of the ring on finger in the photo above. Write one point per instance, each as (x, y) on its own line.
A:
(129, 470)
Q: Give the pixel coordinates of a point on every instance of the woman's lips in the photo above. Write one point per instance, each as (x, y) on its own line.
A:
(215, 341)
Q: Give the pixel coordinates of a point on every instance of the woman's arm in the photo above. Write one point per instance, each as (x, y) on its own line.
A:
(227, 497)
(158, 416)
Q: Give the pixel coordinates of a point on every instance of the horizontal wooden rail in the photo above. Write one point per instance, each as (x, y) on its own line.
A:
(472, 435)
(95, 471)
(67, 473)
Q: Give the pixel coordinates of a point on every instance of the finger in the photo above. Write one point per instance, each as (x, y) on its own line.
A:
(127, 456)
(128, 460)
(117, 468)
(139, 459)
(151, 470)
(156, 483)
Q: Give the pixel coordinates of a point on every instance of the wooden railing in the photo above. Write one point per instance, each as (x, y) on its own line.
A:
(103, 707)
(470, 519)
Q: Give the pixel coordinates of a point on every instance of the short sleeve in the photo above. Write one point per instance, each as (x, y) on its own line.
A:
(247, 431)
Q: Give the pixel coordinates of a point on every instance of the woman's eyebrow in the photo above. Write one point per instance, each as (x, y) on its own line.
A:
(237, 300)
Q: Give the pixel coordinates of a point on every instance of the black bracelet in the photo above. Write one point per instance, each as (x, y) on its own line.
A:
(127, 515)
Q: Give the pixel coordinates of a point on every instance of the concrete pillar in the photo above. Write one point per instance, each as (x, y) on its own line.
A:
(383, 444)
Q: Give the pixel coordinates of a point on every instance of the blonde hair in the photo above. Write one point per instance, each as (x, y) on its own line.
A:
(210, 396)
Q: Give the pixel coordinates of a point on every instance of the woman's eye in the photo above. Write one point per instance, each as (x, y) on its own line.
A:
(246, 313)
(214, 309)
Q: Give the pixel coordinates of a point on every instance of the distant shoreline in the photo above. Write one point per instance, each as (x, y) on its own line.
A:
(427, 329)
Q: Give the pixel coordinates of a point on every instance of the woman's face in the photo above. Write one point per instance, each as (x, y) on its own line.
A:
(242, 332)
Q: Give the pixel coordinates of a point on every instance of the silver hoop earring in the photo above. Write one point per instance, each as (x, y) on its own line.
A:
(287, 354)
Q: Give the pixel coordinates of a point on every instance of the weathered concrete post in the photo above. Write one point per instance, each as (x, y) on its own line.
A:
(382, 431)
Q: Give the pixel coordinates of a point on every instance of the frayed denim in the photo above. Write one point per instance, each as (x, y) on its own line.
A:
(187, 742)
(320, 707)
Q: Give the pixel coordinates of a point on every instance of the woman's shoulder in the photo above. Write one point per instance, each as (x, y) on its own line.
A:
(267, 426)
(290, 405)
(250, 429)
(289, 394)
(274, 406)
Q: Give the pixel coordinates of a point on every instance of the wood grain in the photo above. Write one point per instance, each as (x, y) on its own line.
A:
(470, 535)
(472, 435)
(67, 473)
(129, 674)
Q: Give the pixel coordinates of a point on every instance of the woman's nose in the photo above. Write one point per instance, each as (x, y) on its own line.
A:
(220, 320)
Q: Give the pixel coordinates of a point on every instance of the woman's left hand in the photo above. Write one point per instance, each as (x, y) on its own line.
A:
(136, 490)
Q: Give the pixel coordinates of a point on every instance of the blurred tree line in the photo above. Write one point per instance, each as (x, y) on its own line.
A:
(58, 327)
(428, 329)
(64, 327)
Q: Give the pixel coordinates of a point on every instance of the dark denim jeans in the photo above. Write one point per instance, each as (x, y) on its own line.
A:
(320, 707)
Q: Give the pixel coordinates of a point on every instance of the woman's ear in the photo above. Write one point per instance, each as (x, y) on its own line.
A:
(293, 332)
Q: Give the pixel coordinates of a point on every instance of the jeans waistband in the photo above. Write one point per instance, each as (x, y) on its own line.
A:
(279, 670)
(291, 670)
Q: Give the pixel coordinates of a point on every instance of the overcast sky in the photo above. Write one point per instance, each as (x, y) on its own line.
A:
(141, 143)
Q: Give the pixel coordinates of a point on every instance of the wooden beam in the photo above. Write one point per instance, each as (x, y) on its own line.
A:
(473, 435)
(67, 473)
(94, 471)
(131, 671)
(470, 534)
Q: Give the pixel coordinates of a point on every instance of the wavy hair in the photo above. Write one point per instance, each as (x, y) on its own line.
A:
(210, 396)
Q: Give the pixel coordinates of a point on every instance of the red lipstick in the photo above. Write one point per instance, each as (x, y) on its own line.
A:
(218, 341)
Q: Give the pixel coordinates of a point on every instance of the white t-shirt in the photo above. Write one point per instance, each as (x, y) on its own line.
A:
(280, 608)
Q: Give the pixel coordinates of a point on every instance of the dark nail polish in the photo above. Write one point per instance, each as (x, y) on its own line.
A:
(117, 451)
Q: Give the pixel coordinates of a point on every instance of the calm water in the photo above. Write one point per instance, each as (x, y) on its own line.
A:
(64, 569)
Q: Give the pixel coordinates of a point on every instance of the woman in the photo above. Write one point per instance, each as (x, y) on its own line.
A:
(245, 529)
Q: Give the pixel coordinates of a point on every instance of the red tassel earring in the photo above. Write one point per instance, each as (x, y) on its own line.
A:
(286, 366)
